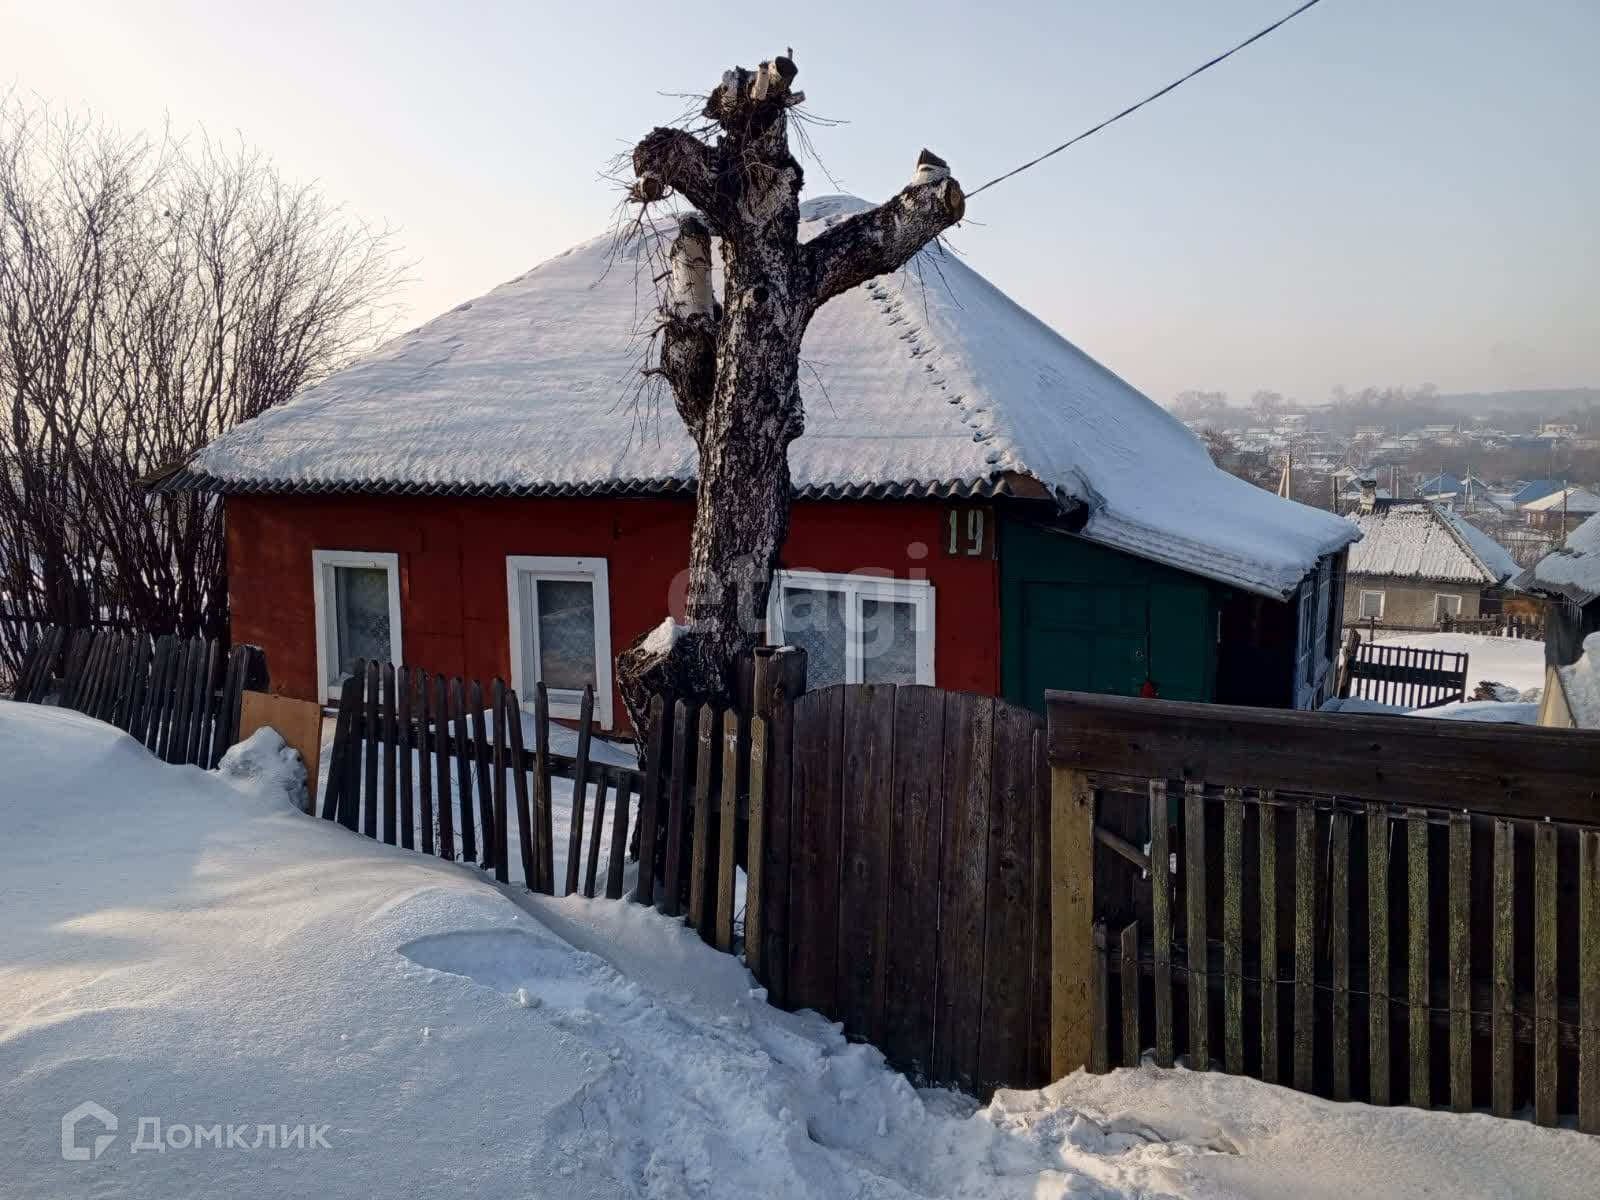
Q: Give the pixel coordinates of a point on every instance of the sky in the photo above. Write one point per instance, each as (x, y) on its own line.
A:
(1384, 192)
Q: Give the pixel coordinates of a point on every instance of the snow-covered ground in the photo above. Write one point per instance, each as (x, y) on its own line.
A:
(1516, 662)
(187, 948)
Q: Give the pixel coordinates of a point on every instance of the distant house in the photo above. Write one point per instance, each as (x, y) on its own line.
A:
(978, 505)
(1563, 509)
(1418, 563)
(1534, 489)
(1569, 577)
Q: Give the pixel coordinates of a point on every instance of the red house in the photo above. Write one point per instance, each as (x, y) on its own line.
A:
(979, 505)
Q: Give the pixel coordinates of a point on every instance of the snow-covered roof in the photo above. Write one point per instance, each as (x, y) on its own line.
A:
(1572, 499)
(910, 388)
(1572, 570)
(1419, 540)
(1580, 684)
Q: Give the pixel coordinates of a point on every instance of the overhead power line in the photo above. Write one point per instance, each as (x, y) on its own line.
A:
(1133, 108)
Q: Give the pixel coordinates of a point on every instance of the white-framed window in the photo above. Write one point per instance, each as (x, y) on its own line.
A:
(1446, 604)
(854, 628)
(560, 613)
(358, 612)
(1372, 605)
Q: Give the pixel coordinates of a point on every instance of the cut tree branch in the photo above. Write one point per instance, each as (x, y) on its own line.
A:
(884, 238)
(674, 159)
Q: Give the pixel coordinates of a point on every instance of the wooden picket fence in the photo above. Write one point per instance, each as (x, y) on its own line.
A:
(442, 766)
(1404, 676)
(1365, 907)
(179, 696)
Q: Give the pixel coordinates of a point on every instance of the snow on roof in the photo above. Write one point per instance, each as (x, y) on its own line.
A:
(1572, 570)
(1572, 499)
(1419, 540)
(1533, 489)
(1484, 548)
(912, 385)
(1580, 684)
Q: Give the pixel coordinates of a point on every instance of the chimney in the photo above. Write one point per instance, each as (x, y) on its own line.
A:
(1369, 495)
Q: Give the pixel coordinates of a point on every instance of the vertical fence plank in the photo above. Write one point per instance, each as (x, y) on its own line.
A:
(544, 848)
(727, 830)
(1099, 998)
(1130, 994)
(481, 777)
(1161, 920)
(390, 745)
(1305, 945)
(580, 788)
(1194, 890)
(915, 820)
(968, 741)
(350, 789)
(1502, 1024)
(1378, 954)
(148, 719)
(700, 837)
(682, 756)
(1545, 1028)
(1460, 950)
(460, 746)
(427, 747)
(1078, 1019)
(591, 868)
(205, 707)
(1267, 886)
(1339, 947)
(503, 719)
(133, 697)
(342, 726)
(780, 681)
(511, 714)
(867, 810)
(756, 852)
(1232, 932)
(619, 839)
(177, 715)
(442, 745)
(1417, 1000)
(649, 804)
(403, 749)
(1589, 981)
(371, 750)
(814, 878)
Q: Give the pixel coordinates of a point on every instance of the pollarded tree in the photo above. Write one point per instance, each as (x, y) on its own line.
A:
(733, 365)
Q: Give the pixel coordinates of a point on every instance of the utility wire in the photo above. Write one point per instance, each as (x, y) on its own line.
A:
(1133, 108)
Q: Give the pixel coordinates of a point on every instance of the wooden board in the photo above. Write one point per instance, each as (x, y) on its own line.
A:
(814, 866)
(1075, 1012)
(298, 722)
(968, 747)
(867, 810)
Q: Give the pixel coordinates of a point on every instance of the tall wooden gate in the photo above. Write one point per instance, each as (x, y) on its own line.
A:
(918, 881)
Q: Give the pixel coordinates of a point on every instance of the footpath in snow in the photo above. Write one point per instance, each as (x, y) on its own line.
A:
(187, 948)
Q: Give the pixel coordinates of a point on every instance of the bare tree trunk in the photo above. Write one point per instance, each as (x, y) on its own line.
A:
(734, 367)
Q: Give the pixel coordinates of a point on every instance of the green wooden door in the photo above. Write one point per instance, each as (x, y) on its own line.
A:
(1083, 617)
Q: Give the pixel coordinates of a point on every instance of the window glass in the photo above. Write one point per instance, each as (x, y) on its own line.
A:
(1446, 606)
(813, 620)
(1372, 604)
(566, 633)
(361, 607)
(888, 641)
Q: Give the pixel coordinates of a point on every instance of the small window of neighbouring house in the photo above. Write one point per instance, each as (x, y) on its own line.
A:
(1445, 606)
(854, 628)
(560, 618)
(1372, 605)
(358, 613)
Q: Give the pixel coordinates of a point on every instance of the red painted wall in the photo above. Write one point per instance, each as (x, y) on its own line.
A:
(453, 571)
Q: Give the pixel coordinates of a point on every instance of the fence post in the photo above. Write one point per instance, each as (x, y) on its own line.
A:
(780, 680)
(1071, 918)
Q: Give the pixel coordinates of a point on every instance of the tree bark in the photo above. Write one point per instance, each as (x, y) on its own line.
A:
(734, 367)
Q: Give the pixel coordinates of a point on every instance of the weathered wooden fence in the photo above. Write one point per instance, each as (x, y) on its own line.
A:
(1404, 676)
(1365, 907)
(1506, 625)
(178, 696)
(445, 766)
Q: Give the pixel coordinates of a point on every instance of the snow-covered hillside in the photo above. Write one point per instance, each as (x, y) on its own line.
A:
(186, 947)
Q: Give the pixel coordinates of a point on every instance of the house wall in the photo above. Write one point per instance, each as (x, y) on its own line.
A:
(452, 556)
(1407, 602)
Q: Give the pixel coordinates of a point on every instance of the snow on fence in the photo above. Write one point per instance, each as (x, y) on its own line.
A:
(1506, 625)
(1357, 906)
(180, 697)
